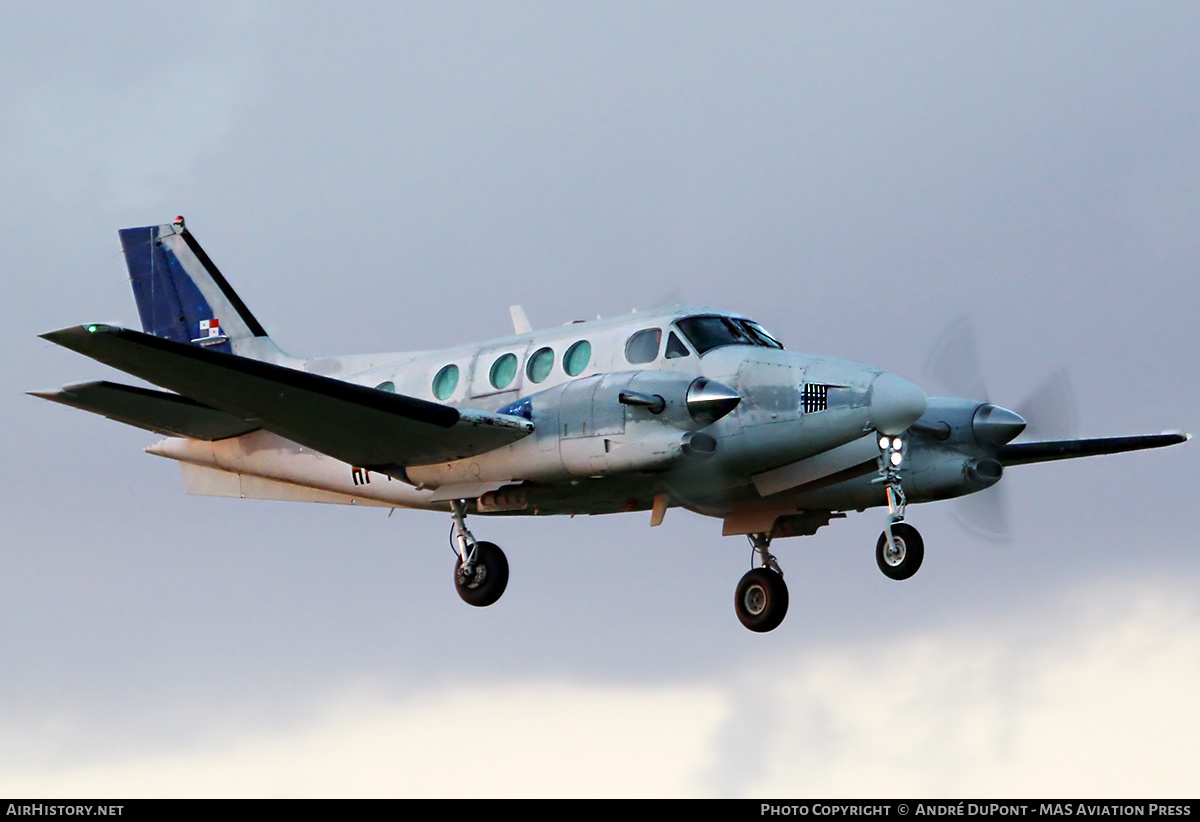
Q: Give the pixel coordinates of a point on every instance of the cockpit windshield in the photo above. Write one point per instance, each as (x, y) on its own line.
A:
(707, 333)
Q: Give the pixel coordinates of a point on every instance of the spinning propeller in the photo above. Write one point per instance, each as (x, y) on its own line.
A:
(1048, 412)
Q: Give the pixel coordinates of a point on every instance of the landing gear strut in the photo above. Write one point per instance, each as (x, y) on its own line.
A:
(900, 549)
(761, 600)
(481, 572)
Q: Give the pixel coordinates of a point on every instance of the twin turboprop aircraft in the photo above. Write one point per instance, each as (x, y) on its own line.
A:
(687, 407)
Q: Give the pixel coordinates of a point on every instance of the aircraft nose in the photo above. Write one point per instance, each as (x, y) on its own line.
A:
(895, 404)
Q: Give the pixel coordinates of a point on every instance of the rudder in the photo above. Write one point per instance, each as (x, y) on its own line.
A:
(182, 296)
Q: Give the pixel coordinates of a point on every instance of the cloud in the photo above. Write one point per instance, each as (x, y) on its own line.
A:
(1073, 697)
(531, 739)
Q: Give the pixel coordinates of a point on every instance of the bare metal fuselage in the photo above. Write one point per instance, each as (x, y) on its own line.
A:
(590, 453)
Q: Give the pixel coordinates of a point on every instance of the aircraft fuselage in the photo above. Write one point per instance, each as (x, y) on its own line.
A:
(590, 452)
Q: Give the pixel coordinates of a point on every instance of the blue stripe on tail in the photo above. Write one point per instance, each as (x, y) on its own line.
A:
(168, 300)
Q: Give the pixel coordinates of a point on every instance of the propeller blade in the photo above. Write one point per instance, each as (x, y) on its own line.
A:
(985, 514)
(1048, 413)
(953, 361)
(1050, 410)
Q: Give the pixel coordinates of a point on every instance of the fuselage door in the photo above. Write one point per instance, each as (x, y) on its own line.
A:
(499, 370)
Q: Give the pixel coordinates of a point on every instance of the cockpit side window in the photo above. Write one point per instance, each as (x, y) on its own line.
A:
(642, 347)
(675, 347)
(707, 333)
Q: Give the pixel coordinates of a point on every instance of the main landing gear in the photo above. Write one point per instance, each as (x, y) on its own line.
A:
(761, 600)
(481, 572)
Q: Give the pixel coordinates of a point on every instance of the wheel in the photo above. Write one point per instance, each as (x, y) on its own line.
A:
(484, 584)
(761, 600)
(904, 558)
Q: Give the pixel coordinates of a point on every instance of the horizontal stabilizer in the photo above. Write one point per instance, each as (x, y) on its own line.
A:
(1023, 453)
(155, 411)
(358, 425)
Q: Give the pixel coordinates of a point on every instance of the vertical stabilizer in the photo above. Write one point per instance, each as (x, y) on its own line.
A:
(182, 296)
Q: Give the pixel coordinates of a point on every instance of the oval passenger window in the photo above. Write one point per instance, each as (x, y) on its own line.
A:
(540, 365)
(503, 371)
(445, 382)
(577, 358)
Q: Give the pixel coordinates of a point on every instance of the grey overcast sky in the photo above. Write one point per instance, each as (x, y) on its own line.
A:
(382, 176)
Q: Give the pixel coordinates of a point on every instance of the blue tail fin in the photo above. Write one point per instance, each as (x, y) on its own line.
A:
(182, 296)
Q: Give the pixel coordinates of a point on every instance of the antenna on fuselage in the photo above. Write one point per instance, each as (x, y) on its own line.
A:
(520, 321)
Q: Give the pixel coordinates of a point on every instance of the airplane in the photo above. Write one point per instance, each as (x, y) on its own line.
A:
(682, 407)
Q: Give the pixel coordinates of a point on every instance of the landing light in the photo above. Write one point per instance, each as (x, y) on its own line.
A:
(897, 444)
(883, 443)
(896, 458)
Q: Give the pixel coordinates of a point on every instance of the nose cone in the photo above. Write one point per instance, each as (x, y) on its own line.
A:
(993, 425)
(895, 404)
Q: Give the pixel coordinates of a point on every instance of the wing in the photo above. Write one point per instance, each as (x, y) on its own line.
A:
(1023, 453)
(353, 423)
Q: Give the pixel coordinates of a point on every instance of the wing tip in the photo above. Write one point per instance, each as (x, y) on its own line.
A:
(62, 336)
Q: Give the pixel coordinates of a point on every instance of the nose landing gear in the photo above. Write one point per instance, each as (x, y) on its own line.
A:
(902, 558)
(900, 549)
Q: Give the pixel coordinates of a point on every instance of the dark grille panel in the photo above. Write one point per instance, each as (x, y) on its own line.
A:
(815, 397)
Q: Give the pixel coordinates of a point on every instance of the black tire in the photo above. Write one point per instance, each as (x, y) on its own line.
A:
(761, 600)
(909, 552)
(484, 585)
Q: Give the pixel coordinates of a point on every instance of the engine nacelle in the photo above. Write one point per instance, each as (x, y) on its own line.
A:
(633, 421)
(969, 425)
(952, 476)
(640, 452)
(954, 447)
